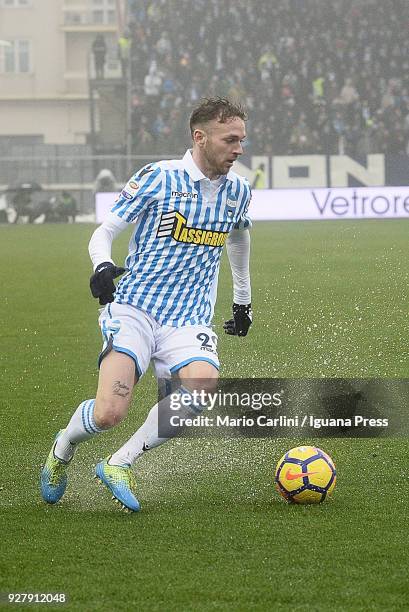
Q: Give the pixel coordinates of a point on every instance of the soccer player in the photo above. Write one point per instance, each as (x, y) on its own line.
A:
(183, 211)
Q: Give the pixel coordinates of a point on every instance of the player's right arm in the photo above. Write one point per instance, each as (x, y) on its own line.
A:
(133, 199)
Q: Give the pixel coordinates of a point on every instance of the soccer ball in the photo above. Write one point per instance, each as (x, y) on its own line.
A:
(305, 475)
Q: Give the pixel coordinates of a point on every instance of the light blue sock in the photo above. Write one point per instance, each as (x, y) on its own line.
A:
(81, 427)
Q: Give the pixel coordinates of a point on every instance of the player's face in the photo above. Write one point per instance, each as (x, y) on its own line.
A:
(220, 144)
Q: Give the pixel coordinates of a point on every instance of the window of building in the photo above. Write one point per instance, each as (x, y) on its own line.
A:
(15, 3)
(103, 11)
(15, 57)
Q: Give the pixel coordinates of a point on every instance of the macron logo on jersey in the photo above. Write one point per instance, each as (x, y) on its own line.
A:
(174, 224)
(184, 194)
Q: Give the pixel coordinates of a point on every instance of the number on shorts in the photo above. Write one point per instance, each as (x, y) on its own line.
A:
(206, 341)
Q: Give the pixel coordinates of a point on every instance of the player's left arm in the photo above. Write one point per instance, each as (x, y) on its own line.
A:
(238, 252)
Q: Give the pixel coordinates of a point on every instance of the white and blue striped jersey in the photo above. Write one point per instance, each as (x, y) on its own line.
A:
(181, 225)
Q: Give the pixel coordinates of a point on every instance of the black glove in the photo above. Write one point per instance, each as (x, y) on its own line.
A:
(241, 321)
(102, 281)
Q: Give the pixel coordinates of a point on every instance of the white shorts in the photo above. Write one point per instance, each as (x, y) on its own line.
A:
(127, 329)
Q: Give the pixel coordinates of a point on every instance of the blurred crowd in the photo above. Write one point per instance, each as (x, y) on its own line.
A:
(316, 76)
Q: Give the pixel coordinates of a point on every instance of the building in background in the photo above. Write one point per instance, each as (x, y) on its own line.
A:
(47, 69)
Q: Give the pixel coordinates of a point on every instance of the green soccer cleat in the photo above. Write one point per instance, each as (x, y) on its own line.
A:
(121, 482)
(53, 478)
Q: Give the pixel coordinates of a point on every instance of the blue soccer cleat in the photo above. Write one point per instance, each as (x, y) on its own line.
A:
(53, 478)
(121, 482)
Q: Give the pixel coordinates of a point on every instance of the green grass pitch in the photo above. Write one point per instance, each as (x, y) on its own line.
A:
(330, 299)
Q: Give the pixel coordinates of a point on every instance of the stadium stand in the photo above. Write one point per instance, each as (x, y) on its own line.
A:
(317, 76)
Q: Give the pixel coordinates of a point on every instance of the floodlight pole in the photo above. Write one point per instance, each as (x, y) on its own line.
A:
(122, 21)
(128, 77)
